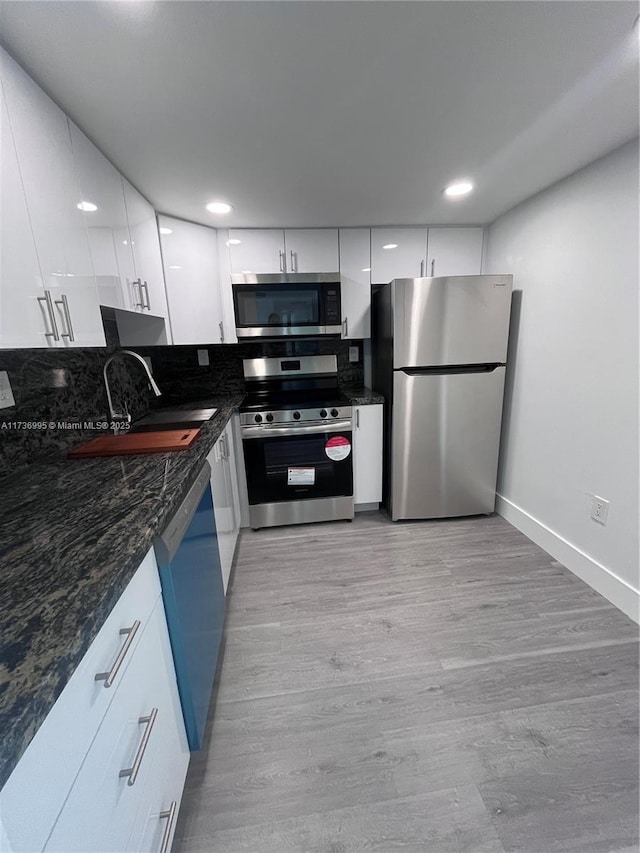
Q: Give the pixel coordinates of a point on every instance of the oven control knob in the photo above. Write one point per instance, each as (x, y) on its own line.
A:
(296, 416)
(323, 413)
(334, 413)
(258, 419)
(269, 417)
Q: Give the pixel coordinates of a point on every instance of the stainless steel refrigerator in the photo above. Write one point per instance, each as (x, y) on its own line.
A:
(439, 356)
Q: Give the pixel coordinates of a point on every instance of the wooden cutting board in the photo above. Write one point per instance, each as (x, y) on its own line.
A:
(142, 442)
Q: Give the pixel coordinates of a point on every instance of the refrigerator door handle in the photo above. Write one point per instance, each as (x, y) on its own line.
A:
(451, 368)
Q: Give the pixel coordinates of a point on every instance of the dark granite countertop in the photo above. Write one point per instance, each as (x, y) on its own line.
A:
(363, 396)
(73, 534)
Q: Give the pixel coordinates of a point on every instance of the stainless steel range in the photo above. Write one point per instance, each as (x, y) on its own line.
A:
(296, 437)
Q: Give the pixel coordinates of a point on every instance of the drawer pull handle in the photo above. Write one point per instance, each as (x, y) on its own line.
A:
(170, 817)
(108, 677)
(132, 772)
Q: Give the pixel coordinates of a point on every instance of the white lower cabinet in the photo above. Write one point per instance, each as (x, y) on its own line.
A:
(67, 793)
(367, 454)
(224, 488)
(139, 736)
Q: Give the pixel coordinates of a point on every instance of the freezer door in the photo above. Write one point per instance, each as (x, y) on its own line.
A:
(452, 320)
(444, 444)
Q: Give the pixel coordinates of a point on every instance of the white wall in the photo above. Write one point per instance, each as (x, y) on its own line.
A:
(570, 427)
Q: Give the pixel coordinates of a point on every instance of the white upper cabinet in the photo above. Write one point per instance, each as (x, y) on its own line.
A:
(272, 250)
(404, 256)
(148, 291)
(109, 239)
(311, 249)
(24, 320)
(256, 250)
(190, 256)
(355, 278)
(43, 144)
(454, 251)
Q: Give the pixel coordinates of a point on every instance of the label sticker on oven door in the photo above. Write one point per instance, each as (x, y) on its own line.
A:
(338, 448)
(301, 476)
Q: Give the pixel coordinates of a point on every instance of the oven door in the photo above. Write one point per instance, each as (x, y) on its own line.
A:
(306, 462)
(286, 306)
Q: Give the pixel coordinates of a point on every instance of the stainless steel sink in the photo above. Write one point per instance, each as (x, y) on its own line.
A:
(172, 419)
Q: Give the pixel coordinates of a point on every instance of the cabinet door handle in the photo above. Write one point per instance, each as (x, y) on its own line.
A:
(357, 418)
(139, 283)
(221, 327)
(132, 772)
(345, 327)
(109, 677)
(282, 260)
(145, 286)
(54, 326)
(294, 261)
(170, 817)
(67, 315)
(421, 269)
(433, 267)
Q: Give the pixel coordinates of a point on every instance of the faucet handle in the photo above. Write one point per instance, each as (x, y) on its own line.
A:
(120, 418)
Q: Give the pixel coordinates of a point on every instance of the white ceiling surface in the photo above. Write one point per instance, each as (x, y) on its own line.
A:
(337, 113)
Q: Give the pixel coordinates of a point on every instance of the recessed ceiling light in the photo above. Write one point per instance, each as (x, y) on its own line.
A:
(174, 267)
(219, 207)
(390, 246)
(166, 231)
(233, 241)
(457, 189)
(247, 272)
(366, 269)
(87, 206)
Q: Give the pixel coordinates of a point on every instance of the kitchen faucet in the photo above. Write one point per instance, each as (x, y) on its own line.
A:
(115, 416)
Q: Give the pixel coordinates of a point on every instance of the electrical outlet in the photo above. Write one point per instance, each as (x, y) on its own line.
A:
(203, 357)
(599, 509)
(354, 354)
(6, 394)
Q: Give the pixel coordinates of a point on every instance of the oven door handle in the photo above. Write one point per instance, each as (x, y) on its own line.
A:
(271, 431)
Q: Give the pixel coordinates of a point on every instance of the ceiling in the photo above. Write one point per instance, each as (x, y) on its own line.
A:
(337, 113)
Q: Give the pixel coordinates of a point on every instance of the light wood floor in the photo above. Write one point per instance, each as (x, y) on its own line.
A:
(436, 687)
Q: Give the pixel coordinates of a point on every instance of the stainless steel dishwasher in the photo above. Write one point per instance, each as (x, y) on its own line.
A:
(194, 601)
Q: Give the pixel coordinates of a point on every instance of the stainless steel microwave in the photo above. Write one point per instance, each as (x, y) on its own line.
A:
(286, 305)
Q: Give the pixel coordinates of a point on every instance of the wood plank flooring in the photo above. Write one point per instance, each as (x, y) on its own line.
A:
(431, 687)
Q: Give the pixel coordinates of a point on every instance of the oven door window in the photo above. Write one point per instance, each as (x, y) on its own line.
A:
(291, 468)
(277, 306)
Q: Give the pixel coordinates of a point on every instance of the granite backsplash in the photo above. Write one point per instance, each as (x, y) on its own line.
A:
(64, 389)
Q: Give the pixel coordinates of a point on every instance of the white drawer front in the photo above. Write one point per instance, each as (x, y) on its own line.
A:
(156, 819)
(36, 790)
(100, 811)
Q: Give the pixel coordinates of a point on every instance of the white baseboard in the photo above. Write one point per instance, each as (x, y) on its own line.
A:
(366, 507)
(599, 577)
